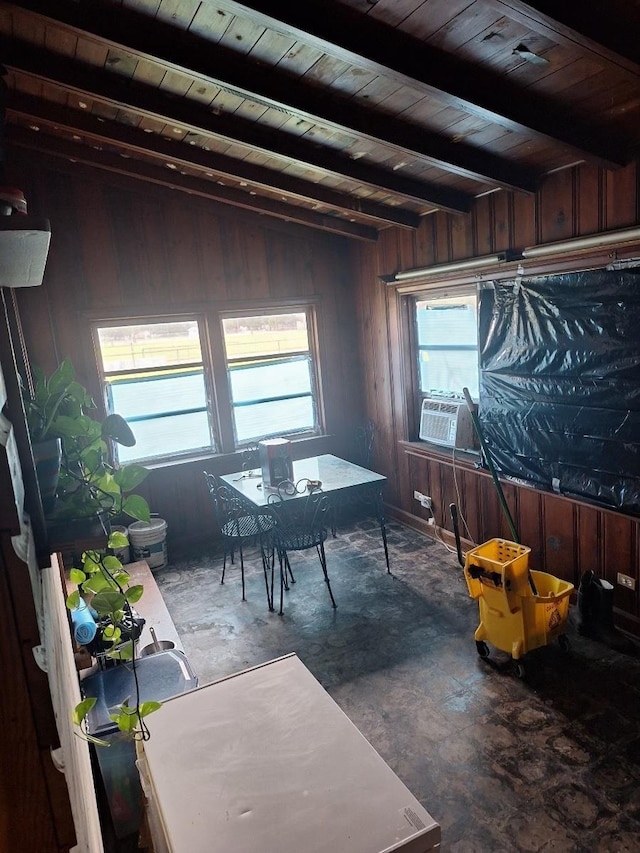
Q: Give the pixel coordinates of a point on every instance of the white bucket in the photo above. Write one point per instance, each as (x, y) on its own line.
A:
(148, 542)
(124, 553)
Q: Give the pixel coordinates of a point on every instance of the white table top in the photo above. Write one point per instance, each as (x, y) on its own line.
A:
(266, 761)
(335, 474)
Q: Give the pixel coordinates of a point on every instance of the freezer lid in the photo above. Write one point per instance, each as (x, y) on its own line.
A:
(267, 760)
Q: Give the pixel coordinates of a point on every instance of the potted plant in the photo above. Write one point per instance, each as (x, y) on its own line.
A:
(103, 584)
(91, 485)
(52, 397)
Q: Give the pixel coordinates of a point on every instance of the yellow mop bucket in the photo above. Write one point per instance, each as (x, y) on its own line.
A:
(520, 609)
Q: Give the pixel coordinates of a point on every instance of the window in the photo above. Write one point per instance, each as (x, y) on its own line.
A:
(447, 339)
(209, 383)
(271, 375)
(154, 375)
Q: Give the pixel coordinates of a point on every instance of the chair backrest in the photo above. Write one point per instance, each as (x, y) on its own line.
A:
(226, 506)
(233, 517)
(364, 440)
(302, 522)
(250, 457)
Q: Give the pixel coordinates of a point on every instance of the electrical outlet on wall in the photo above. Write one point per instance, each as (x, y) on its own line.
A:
(626, 581)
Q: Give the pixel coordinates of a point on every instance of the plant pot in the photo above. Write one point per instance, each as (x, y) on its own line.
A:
(47, 456)
(74, 535)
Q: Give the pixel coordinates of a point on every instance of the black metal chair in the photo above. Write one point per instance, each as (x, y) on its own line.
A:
(362, 502)
(250, 457)
(237, 525)
(300, 524)
(365, 437)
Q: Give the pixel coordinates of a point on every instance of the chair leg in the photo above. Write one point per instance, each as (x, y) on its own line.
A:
(323, 562)
(224, 565)
(288, 573)
(265, 568)
(242, 569)
(282, 558)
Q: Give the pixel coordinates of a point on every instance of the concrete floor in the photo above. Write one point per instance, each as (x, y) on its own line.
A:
(550, 763)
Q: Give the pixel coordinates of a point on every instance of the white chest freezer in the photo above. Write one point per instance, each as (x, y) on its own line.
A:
(266, 761)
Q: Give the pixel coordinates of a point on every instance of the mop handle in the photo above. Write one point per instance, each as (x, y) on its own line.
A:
(487, 455)
(501, 497)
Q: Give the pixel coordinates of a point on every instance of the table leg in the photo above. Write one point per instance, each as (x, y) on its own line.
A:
(383, 526)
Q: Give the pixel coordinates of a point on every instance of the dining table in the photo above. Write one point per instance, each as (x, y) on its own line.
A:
(340, 480)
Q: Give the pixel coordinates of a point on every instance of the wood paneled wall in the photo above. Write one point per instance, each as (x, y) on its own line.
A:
(566, 537)
(124, 246)
(118, 246)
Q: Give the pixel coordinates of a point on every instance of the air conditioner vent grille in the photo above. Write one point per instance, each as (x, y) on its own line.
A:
(446, 423)
(437, 427)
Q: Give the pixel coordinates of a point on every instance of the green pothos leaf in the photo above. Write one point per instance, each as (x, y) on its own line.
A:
(108, 601)
(111, 564)
(77, 576)
(147, 708)
(117, 539)
(123, 652)
(96, 583)
(134, 593)
(73, 600)
(82, 709)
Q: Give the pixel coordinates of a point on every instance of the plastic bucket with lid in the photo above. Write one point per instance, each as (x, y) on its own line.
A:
(149, 542)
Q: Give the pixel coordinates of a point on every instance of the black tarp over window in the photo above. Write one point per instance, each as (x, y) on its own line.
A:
(560, 383)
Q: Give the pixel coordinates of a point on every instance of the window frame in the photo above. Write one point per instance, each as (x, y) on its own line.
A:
(415, 394)
(313, 354)
(209, 408)
(219, 406)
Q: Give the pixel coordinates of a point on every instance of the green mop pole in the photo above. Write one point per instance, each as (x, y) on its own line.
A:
(496, 481)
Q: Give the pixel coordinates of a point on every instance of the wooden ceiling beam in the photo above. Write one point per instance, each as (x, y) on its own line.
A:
(373, 46)
(87, 81)
(93, 130)
(140, 171)
(592, 26)
(194, 55)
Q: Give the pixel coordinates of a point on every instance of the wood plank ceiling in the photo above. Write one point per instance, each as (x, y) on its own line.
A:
(346, 116)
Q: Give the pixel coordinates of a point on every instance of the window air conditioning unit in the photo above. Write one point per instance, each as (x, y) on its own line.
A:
(447, 422)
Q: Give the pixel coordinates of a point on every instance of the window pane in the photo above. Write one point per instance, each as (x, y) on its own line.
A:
(271, 334)
(269, 380)
(167, 437)
(164, 403)
(149, 345)
(449, 371)
(268, 360)
(448, 340)
(448, 321)
(135, 396)
(273, 418)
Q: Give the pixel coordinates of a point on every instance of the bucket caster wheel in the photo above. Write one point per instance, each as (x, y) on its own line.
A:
(482, 648)
(563, 642)
(517, 667)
